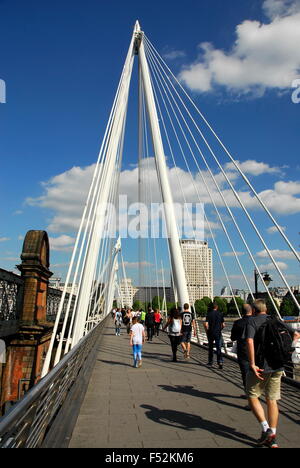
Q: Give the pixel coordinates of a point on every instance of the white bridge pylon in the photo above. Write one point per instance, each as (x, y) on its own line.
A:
(93, 265)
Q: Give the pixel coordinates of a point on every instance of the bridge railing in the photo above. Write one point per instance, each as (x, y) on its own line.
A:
(29, 420)
(11, 298)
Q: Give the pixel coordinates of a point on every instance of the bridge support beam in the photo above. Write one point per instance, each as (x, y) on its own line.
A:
(27, 348)
(161, 166)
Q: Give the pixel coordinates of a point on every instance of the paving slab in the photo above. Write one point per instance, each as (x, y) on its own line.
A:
(171, 405)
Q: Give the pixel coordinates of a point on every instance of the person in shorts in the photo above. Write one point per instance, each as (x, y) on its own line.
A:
(265, 381)
(188, 326)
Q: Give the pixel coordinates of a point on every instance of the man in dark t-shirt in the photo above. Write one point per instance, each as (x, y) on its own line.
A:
(188, 324)
(238, 334)
(214, 324)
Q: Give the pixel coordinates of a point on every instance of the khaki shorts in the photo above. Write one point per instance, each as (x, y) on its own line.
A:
(270, 386)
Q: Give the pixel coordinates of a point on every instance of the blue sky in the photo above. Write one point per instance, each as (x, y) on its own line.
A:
(61, 62)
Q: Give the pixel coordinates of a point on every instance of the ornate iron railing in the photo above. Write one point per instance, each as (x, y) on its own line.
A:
(11, 290)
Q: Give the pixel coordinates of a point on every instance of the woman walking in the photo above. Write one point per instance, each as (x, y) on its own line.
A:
(157, 321)
(174, 325)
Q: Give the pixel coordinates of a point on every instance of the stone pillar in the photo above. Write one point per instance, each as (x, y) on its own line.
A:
(26, 349)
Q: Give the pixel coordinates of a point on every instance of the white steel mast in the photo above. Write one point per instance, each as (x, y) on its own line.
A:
(161, 167)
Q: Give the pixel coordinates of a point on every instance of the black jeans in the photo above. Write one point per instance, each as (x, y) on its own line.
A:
(175, 342)
(211, 340)
(150, 332)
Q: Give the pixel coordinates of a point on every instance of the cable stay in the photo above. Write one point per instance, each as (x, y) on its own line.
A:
(180, 159)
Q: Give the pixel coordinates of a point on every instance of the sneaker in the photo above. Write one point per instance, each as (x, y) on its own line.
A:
(271, 442)
(265, 437)
(220, 366)
(209, 364)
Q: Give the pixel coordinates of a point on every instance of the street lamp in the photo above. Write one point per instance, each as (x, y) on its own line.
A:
(266, 279)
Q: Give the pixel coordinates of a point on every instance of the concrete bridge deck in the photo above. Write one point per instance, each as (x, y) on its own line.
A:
(170, 405)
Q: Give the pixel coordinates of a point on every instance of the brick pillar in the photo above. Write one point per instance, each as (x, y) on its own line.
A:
(26, 349)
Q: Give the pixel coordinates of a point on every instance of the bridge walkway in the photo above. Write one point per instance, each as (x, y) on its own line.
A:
(170, 405)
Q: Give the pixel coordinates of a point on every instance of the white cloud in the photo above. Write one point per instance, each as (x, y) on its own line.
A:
(273, 229)
(277, 253)
(253, 167)
(65, 195)
(271, 266)
(264, 55)
(62, 243)
(4, 239)
(231, 254)
(174, 54)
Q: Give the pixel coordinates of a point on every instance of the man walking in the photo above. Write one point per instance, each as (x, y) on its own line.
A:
(263, 378)
(214, 324)
(238, 334)
(188, 325)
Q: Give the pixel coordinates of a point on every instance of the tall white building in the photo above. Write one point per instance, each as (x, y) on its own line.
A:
(197, 259)
(127, 291)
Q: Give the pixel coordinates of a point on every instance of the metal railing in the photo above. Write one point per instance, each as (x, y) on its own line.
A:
(26, 425)
(11, 297)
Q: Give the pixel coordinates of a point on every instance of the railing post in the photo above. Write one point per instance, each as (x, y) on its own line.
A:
(26, 349)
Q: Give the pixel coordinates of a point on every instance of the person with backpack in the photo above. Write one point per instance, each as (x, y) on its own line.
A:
(269, 343)
(188, 325)
(238, 335)
(174, 325)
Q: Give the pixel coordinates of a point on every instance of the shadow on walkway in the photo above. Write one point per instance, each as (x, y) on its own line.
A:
(188, 422)
(189, 390)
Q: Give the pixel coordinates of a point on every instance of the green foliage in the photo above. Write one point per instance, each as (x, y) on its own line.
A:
(222, 304)
(157, 302)
(231, 307)
(201, 308)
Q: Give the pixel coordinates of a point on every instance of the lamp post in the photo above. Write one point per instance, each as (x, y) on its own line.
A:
(266, 278)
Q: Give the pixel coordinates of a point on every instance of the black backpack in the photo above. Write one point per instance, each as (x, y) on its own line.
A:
(273, 343)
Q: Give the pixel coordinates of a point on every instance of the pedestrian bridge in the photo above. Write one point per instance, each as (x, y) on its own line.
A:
(94, 398)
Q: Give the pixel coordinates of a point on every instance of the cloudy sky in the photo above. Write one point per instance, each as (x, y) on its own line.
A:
(61, 62)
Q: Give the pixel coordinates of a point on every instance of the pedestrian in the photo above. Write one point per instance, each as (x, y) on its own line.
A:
(128, 320)
(188, 326)
(265, 371)
(142, 316)
(118, 322)
(137, 339)
(238, 335)
(149, 322)
(214, 324)
(174, 325)
(157, 321)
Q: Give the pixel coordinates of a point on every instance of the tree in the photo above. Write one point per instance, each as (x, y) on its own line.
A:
(157, 302)
(222, 304)
(231, 308)
(201, 308)
(137, 305)
(287, 307)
